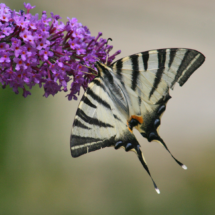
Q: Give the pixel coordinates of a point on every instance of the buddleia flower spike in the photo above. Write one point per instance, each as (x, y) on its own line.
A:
(47, 52)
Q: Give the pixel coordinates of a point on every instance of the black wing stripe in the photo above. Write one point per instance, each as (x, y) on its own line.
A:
(77, 123)
(171, 56)
(196, 64)
(88, 102)
(161, 63)
(119, 65)
(139, 101)
(98, 99)
(99, 84)
(79, 140)
(82, 145)
(104, 72)
(145, 58)
(103, 144)
(188, 57)
(116, 117)
(135, 71)
(78, 152)
(181, 68)
(92, 121)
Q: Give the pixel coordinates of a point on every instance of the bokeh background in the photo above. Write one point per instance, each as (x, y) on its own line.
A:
(37, 174)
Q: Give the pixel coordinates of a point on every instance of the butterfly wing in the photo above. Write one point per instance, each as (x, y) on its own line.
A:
(91, 130)
(147, 77)
(98, 122)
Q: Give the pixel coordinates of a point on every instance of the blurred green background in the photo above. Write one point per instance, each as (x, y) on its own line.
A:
(37, 174)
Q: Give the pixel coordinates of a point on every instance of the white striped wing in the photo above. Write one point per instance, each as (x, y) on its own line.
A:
(150, 74)
(98, 122)
(91, 127)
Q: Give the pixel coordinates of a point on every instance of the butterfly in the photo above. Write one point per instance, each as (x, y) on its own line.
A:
(130, 93)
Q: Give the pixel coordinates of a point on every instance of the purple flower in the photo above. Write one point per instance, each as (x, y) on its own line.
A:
(79, 33)
(47, 52)
(26, 35)
(20, 64)
(32, 25)
(72, 24)
(51, 87)
(3, 46)
(55, 16)
(81, 50)
(5, 58)
(28, 7)
(7, 31)
(16, 47)
(42, 43)
(74, 43)
(25, 93)
(24, 53)
(21, 22)
(4, 16)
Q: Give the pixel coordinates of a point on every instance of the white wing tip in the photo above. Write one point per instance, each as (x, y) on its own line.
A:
(157, 190)
(184, 166)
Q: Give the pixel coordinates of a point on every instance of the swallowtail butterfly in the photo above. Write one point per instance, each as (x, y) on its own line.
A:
(130, 93)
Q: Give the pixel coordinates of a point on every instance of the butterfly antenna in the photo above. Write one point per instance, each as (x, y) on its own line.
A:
(90, 68)
(106, 61)
(141, 158)
(165, 146)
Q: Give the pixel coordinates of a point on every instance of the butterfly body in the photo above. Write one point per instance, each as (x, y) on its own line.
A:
(131, 93)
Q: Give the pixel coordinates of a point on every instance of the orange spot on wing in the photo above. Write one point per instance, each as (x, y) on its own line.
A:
(138, 118)
(129, 128)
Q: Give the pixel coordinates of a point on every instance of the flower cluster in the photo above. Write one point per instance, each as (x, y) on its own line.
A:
(47, 52)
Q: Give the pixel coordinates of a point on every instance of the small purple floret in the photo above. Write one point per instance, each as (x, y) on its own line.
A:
(48, 52)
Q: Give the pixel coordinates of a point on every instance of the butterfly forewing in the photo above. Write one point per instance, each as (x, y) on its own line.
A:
(154, 72)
